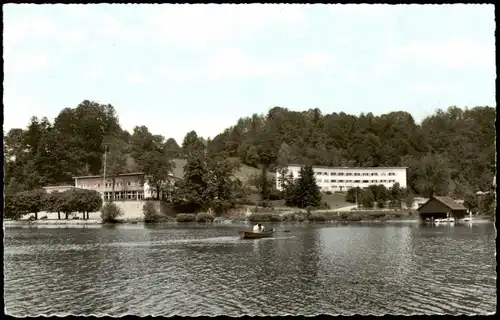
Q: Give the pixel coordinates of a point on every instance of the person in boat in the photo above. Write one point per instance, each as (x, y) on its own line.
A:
(256, 227)
(261, 228)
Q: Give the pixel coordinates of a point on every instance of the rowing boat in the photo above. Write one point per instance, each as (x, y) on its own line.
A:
(247, 234)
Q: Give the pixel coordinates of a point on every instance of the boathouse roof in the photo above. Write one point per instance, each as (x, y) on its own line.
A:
(447, 201)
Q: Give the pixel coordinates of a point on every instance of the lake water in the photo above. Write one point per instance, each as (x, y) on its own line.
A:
(168, 270)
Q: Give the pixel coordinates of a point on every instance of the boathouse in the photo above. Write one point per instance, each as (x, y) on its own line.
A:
(440, 207)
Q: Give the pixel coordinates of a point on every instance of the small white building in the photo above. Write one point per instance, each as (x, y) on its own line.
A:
(344, 178)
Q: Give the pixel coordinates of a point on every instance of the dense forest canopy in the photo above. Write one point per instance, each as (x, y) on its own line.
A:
(451, 151)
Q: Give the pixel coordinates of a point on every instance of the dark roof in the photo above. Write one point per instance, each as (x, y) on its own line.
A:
(326, 167)
(450, 203)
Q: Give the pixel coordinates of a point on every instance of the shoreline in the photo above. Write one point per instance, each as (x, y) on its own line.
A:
(73, 223)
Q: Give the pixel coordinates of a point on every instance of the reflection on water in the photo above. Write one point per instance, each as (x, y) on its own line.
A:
(159, 270)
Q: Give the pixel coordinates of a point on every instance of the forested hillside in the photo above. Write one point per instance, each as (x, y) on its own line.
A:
(452, 151)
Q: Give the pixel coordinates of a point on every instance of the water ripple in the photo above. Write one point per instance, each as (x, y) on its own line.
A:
(209, 271)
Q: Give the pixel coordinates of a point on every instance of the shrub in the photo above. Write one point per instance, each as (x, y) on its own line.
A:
(264, 216)
(265, 204)
(353, 217)
(246, 202)
(110, 212)
(328, 192)
(150, 212)
(324, 206)
(377, 215)
(290, 216)
(185, 217)
(204, 217)
(316, 217)
(43, 218)
(275, 195)
(299, 217)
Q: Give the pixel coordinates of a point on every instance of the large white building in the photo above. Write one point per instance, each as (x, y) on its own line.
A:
(344, 178)
(128, 186)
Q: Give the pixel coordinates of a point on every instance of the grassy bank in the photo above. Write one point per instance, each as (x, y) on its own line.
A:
(334, 200)
(331, 216)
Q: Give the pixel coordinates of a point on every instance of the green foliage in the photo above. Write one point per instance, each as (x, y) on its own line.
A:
(264, 217)
(150, 212)
(264, 185)
(452, 151)
(171, 148)
(192, 144)
(189, 194)
(116, 157)
(12, 210)
(316, 217)
(305, 191)
(409, 199)
(154, 158)
(185, 217)
(352, 194)
(395, 196)
(487, 203)
(367, 198)
(204, 217)
(31, 202)
(110, 212)
(432, 175)
(53, 203)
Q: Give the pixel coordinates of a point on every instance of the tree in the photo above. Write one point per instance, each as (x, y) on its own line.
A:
(157, 168)
(251, 156)
(287, 185)
(150, 212)
(452, 150)
(433, 176)
(221, 184)
(409, 198)
(192, 144)
(53, 203)
(367, 198)
(264, 187)
(190, 193)
(110, 212)
(470, 202)
(116, 159)
(353, 194)
(172, 148)
(31, 201)
(396, 194)
(12, 209)
(82, 130)
(68, 202)
(88, 201)
(284, 155)
(380, 194)
(306, 193)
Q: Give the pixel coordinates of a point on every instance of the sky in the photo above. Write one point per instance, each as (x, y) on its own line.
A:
(177, 68)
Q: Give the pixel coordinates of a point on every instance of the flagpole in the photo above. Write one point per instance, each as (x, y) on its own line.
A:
(104, 175)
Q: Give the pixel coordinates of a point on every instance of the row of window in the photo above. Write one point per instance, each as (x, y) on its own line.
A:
(124, 195)
(120, 184)
(354, 174)
(356, 181)
(110, 184)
